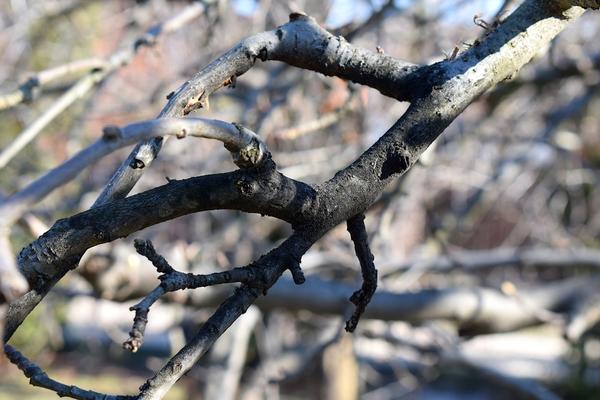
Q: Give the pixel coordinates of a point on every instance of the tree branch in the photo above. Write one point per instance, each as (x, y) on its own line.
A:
(37, 377)
(439, 93)
(97, 75)
(172, 280)
(30, 89)
(301, 43)
(271, 266)
(362, 297)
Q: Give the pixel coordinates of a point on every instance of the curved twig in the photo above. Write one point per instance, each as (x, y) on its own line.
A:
(37, 377)
(362, 297)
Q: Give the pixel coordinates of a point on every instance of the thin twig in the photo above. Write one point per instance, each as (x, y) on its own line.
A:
(362, 297)
(75, 93)
(172, 280)
(320, 123)
(37, 377)
(270, 267)
(86, 83)
(30, 89)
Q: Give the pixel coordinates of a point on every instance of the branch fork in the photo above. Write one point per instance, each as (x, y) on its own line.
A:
(172, 280)
(246, 147)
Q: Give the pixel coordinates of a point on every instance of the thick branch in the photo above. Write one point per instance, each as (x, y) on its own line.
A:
(304, 44)
(259, 190)
(301, 43)
(446, 89)
(246, 147)
(439, 96)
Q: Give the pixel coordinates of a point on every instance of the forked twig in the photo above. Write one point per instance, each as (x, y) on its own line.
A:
(173, 280)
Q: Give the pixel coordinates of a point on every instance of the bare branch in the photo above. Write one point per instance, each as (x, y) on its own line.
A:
(439, 93)
(362, 297)
(301, 43)
(271, 266)
(172, 280)
(29, 90)
(246, 147)
(86, 83)
(292, 43)
(37, 377)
